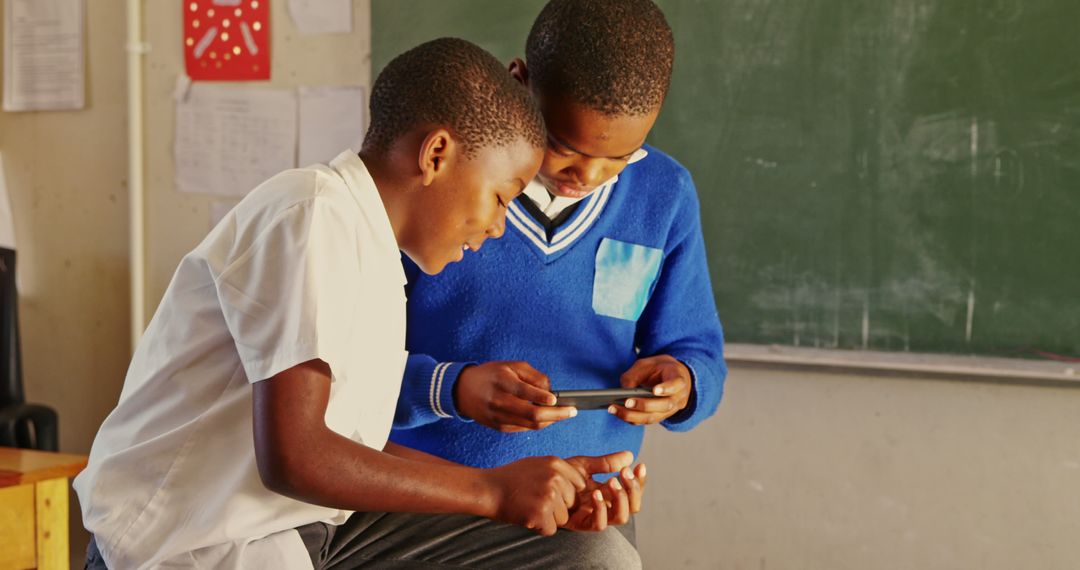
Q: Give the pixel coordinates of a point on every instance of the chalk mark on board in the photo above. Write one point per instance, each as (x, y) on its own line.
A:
(970, 312)
(866, 323)
(1009, 171)
(974, 253)
(974, 147)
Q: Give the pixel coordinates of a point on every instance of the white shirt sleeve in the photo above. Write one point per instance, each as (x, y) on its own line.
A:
(290, 297)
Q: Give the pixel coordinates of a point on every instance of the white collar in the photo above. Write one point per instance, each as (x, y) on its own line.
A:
(638, 155)
(356, 176)
(552, 205)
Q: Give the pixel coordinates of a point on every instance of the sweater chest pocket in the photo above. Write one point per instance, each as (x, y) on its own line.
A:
(625, 276)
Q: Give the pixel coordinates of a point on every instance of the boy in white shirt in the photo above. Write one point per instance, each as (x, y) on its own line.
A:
(253, 414)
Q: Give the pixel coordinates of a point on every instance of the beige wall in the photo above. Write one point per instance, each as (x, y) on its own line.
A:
(67, 176)
(850, 472)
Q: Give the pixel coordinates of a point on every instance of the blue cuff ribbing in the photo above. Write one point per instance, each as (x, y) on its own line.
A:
(441, 389)
(428, 389)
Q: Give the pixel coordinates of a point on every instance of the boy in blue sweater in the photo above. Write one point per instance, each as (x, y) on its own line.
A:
(601, 281)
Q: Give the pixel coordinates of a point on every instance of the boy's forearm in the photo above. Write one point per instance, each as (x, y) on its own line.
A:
(300, 457)
(337, 472)
(415, 454)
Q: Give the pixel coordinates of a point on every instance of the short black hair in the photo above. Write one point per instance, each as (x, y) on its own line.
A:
(613, 56)
(454, 83)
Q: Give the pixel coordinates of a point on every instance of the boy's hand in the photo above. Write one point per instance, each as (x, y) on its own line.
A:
(669, 380)
(508, 396)
(612, 503)
(538, 492)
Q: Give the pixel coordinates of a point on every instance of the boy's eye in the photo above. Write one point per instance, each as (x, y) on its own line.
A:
(559, 149)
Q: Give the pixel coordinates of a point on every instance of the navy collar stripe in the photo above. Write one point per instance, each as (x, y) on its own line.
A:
(566, 237)
(586, 212)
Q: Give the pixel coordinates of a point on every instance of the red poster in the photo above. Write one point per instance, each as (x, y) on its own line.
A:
(227, 40)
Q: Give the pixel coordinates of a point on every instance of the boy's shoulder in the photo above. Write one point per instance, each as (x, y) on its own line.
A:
(654, 199)
(289, 200)
(298, 185)
(659, 170)
(658, 182)
(291, 192)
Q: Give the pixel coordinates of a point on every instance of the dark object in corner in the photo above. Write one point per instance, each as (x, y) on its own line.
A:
(29, 426)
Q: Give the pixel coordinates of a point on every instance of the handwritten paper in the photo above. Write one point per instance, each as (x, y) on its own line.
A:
(231, 139)
(322, 16)
(43, 55)
(331, 120)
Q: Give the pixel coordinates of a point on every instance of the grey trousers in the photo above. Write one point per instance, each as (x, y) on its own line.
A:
(415, 541)
(411, 541)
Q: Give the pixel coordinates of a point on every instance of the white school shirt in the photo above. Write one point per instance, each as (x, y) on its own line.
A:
(305, 267)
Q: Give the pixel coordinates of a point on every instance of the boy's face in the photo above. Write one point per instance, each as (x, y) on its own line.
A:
(467, 203)
(587, 147)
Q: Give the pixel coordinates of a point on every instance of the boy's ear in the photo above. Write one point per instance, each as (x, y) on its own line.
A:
(519, 71)
(438, 146)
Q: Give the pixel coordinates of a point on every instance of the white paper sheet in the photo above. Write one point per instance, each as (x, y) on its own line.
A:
(7, 221)
(231, 139)
(43, 55)
(332, 119)
(322, 16)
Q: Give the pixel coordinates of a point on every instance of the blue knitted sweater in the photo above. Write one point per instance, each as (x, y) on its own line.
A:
(624, 276)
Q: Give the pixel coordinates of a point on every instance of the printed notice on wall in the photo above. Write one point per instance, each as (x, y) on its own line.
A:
(331, 121)
(43, 55)
(231, 139)
(321, 16)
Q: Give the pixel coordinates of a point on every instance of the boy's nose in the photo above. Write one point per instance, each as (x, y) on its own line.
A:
(591, 173)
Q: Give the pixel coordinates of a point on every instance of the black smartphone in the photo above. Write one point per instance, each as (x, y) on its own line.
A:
(599, 399)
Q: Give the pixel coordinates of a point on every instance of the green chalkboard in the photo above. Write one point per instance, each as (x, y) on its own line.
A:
(898, 175)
